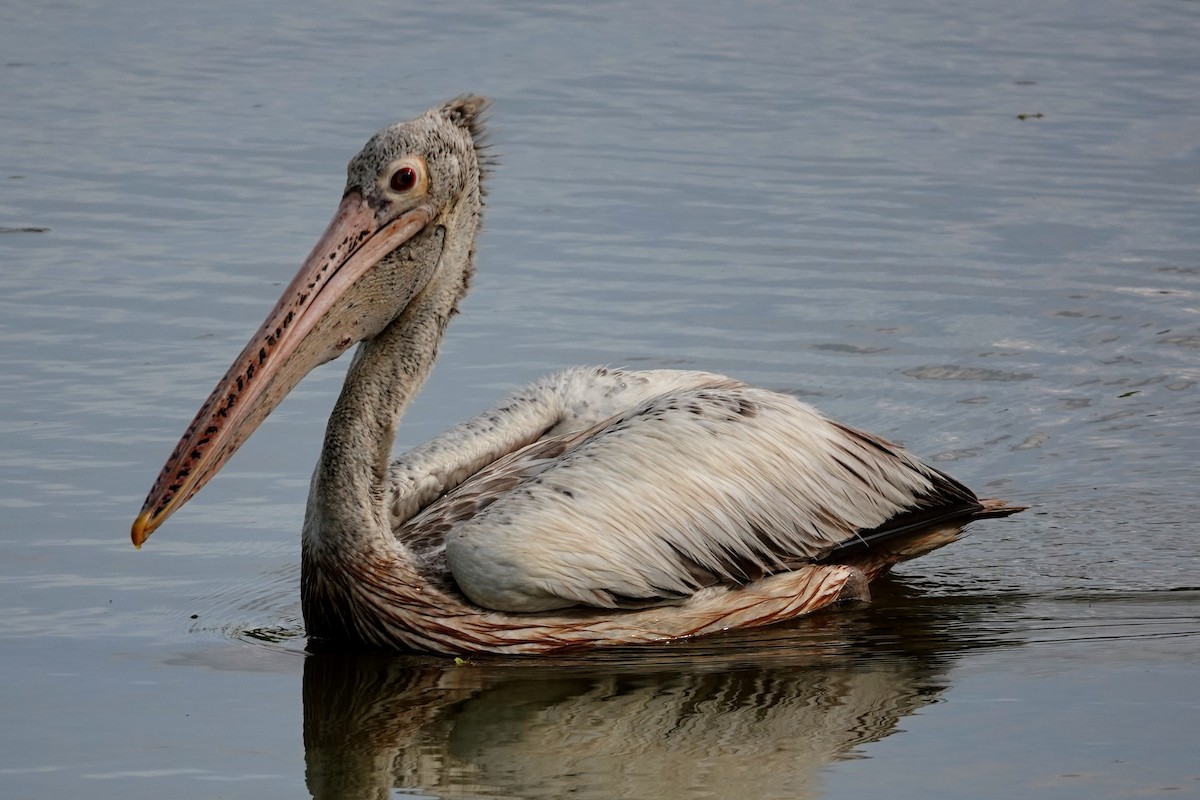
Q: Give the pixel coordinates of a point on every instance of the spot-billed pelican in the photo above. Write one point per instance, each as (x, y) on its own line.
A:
(597, 506)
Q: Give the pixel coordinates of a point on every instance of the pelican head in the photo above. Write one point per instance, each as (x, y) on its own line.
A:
(410, 210)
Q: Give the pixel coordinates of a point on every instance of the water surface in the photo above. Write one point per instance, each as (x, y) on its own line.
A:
(974, 230)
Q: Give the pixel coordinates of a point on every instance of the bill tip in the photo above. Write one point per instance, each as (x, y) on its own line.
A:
(141, 530)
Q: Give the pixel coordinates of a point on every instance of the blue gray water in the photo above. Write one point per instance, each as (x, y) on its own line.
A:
(974, 228)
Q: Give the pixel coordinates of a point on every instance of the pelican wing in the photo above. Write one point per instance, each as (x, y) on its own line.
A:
(720, 484)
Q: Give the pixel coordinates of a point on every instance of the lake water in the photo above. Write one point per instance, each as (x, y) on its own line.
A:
(974, 228)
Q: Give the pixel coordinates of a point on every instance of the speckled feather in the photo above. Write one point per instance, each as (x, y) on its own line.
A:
(704, 481)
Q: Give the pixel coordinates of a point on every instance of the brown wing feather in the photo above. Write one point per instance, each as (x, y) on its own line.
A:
(948, 503)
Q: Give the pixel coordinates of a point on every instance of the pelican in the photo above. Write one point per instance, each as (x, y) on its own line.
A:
(594, 507)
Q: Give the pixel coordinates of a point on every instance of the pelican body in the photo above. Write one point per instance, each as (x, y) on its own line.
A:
(594, 507)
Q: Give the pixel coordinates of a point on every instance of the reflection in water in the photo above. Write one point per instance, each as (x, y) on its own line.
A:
(646, 723)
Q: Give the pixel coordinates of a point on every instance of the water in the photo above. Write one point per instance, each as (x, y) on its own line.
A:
(971, 229)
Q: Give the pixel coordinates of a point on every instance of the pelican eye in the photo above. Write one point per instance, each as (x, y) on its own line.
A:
(403, 179)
